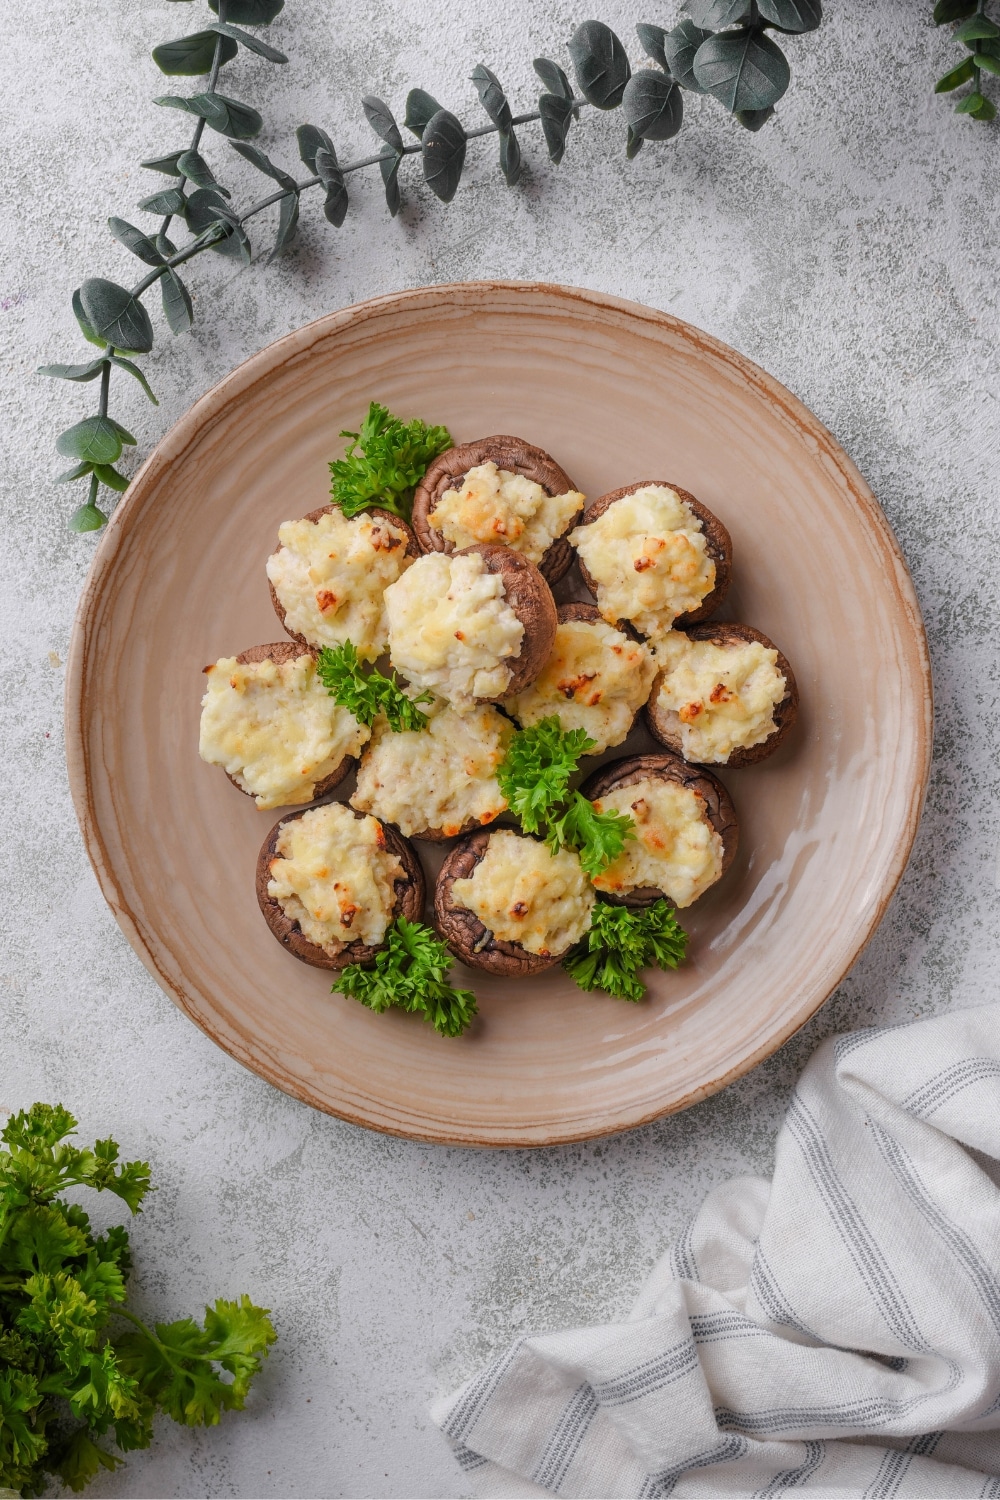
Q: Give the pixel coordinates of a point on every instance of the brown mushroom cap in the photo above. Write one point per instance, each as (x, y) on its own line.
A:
(412, 550)
(530, 597)
(663, 766)
(728, 633)
(448, 472)
(409, 900)
(281, 652)
(719, 543)
(462, 930)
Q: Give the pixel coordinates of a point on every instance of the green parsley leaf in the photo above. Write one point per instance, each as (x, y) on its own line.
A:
(368, 694)
(622, 940)
(599, 836)
(385, 462)
(411, 972)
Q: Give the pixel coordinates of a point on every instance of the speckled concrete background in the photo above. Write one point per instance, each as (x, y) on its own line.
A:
(850, 248)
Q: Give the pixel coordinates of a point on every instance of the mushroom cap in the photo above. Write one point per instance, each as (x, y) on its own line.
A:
(412, 550)
(665, 766)
(726, 633)
(449, 469)
(462, 930)
(409, 902)
(719, 543)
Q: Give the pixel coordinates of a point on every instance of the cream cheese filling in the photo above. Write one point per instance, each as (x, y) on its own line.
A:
(524, 894)
(501, 507)
(675, 847)
(596, 679)
(333, 874)
(717, 698)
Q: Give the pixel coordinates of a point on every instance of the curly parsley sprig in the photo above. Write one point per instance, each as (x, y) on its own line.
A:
(368, 694)
(534, 777)
(411, 971)
(385, 462)
(619, 942)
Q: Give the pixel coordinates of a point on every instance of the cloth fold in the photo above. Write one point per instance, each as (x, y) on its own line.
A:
(834, 1331)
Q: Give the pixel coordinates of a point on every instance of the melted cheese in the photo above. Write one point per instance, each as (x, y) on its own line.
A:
(497, 506)
(596, 679)
(333, 874)
(675, 847)
(275, 729)
(718, 698)
(329, 576)
(450, 629)
(523, 894)
(437, 778)
(648, 556)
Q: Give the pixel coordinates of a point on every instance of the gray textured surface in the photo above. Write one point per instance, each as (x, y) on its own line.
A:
(850, 248)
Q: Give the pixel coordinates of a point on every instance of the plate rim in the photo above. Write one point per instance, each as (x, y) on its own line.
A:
(235, 384)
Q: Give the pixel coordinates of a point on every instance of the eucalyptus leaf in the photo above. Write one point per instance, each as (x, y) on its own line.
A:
(714, 15)
(310, 139)
(977, 30)
(753, 119)
(95, 440)
(653, 106)
(204, 210)
(680, 46)
(492, 97)
(190, 55)
(73, 372)
(742, 69)
(169, 202)
(177, 307)
(510, 157)
(791, 16)
(953, 80)
(651, 40)
(332, 178)
(989, 62)
(245, 39)
(953, 10)
(136, 373)
(602, 67)
(379, 117)
(164, 245)
(288, 218)
(133, 239)
(443, 154)
(389, 167)
(117, 316)
(228, 116)
(557, 116)
(86, 327)
(421, 107)
(165, 164)
(197, 171)
(79, 471)
(633, 144)
(87, 518)
(111, 477)
(553, 77)
(971, 104)
(250, 12)
(264, 164)
(986, 111)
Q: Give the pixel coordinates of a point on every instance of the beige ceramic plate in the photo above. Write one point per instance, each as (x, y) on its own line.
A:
(617, 393)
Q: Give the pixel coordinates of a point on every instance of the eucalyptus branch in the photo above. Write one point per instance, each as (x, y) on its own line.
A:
(981, 36)
(720, 48)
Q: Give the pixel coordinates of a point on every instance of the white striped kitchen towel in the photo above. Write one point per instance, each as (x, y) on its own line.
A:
(835, 1331)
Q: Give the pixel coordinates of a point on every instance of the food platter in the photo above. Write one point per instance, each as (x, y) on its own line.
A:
(616, 392)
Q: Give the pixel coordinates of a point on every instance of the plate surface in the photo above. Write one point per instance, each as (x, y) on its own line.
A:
(617, 393)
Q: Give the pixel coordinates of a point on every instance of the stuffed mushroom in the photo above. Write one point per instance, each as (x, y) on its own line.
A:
(653, 555)
(471, 627)
(330, 571)
(267, 719)
(498, 491)
(505, 903)
(724, 695)
(685, 832)
(331, 881)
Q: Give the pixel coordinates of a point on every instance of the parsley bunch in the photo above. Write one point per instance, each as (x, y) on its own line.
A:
(534, 777)
(619, 942)
(385, 462)
(411, 972)
(368, 694)
(69, 1373)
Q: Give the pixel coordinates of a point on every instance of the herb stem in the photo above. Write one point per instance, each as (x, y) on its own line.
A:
(199, 129)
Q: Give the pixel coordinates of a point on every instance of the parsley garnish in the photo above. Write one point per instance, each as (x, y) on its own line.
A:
(534, 777)
(368, 694)
(385, 462)
(68, 1371)
(619, 942)
(411, 972)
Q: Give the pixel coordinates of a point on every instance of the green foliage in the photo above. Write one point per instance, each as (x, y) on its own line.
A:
(411, 972)
(981, 36)
(368, 694)
(384, 462)
(620, 942)
(70, 1372)
(443, 154)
